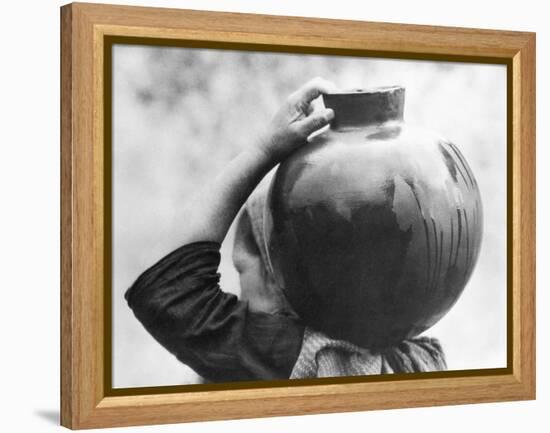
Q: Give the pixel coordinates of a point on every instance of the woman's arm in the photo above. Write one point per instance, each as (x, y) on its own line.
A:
(179, 301)
(209, 214)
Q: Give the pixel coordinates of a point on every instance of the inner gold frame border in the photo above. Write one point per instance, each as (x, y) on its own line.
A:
(88, 32)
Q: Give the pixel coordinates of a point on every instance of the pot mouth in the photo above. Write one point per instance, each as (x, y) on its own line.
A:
(366, 90)
(362, 107)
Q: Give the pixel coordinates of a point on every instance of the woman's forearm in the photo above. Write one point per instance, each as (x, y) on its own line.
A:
(209, 214)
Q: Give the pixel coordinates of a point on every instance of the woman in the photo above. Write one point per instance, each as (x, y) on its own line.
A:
(178, 300)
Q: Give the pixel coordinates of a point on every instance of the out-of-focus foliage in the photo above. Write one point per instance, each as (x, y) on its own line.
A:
(181, 114)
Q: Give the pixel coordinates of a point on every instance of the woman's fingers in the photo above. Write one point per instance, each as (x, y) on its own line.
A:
(309, 91)
(315, 121)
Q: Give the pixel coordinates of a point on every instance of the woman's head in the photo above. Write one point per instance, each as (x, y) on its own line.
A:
(258, 286)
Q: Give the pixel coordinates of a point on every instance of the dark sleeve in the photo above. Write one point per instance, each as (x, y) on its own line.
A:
(179, 301)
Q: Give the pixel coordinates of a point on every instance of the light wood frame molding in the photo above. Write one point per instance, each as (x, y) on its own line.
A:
(86, 400)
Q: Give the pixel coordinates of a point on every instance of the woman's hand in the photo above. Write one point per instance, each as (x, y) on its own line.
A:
(296, 120)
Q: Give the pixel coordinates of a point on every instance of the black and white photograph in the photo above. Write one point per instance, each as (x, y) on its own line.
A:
(295, 216)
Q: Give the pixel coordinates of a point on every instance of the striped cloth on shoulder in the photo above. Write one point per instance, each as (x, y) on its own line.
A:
(322, 356)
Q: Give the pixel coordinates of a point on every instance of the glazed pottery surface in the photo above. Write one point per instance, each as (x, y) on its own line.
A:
(374, 227)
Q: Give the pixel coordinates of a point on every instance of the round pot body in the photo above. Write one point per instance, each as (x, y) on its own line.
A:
(374, 227)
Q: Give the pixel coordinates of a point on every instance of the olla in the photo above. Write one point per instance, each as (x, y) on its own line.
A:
(374, 227)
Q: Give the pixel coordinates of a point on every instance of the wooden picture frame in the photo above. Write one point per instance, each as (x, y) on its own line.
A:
(87, 32)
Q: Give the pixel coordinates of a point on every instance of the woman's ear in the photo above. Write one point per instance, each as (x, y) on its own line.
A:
(244, 247)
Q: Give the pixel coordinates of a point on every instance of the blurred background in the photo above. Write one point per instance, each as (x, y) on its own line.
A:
(180, 114)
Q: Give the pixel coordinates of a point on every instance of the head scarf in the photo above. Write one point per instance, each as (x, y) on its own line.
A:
(320, 355)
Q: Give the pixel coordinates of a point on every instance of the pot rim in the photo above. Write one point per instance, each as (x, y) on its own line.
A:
(366, 90)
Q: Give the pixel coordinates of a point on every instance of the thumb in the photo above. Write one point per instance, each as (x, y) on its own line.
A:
(314, 121)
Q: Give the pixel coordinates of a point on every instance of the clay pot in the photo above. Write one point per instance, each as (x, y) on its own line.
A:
(374, 227)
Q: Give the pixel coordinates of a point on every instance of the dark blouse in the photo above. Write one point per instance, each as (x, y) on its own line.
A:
(179, 301)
